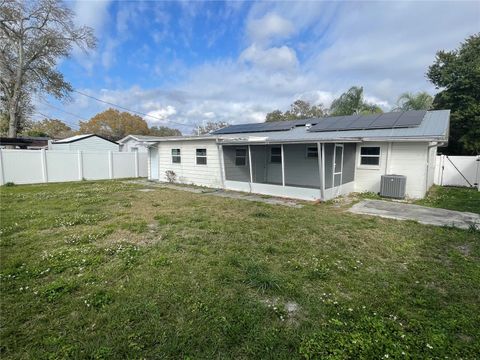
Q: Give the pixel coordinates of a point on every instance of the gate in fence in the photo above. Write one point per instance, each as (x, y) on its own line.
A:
(457, 171)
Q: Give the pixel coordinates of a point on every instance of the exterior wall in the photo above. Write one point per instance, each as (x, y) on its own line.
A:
(431, 166)
(401, 158)
(410, 159)
(130, 145)
(188, 172)
(93, 143)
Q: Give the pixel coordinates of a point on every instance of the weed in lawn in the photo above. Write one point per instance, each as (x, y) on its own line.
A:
(259, 277)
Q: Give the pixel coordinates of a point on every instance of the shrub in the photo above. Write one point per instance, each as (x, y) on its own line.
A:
(171, 176)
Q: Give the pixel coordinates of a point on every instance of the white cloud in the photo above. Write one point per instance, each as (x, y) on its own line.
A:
(268, 27)
(160, 114)
(273, 58)
(92, 13)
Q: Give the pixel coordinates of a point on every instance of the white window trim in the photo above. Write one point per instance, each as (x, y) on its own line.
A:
(369, 167)
(246, 155)
(179, 156)
(201, 156)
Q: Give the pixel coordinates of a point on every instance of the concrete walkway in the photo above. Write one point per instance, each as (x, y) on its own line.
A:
(422, 214)
(218, 192)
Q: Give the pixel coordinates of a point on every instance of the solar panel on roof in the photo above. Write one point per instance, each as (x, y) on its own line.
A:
(342, 122)
(410, 118)
(385, 121)
(362, 122)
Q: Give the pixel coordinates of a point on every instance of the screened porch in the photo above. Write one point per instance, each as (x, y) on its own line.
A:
(308, 171)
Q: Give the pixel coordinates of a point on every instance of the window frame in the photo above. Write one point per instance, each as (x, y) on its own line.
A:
(370, 166)
(308, 152)
(200, 156)
(240, 157)
(175, 156)
(279, 155)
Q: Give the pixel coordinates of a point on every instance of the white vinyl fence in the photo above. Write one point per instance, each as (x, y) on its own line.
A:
(41, 166)
(457, 171)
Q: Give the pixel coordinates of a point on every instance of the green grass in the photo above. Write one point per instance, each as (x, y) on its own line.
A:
(453, 198)
(99, 270)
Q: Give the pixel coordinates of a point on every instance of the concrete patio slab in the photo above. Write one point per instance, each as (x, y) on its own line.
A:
(218, 192)
(422, 214)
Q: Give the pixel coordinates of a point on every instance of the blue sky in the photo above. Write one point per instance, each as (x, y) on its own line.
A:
(186, 63)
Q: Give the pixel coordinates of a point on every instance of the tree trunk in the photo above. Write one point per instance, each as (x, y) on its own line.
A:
(13, 123)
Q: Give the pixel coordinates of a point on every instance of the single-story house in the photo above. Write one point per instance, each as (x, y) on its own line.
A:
(139, 143)
(85, 142)
(308, 159)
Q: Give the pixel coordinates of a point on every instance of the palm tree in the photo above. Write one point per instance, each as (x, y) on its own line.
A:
(419, 101)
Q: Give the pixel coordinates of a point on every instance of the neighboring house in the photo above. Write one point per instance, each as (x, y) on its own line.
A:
(309, 159)
(138, 143)
(87, 142)
(25, 142)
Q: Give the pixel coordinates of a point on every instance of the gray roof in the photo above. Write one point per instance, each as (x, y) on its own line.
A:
(433, 127)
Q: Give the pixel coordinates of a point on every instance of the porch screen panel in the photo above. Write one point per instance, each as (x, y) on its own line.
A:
(301, 165)
(236, 170)
(349, 151)
(329, 148)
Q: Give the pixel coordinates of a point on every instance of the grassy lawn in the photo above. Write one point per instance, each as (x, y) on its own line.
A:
(102, 270)
(453, 198)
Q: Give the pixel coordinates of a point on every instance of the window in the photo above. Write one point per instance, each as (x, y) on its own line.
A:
(370, 155)
(201, 156)
(312, 152)
(240, 157)
(176, 158)
(276, 155)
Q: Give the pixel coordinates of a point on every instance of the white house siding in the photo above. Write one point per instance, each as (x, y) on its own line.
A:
(130, 145)
(401, 158)
(410, 159)
(432, 155)
(188, 172)
(93, 143)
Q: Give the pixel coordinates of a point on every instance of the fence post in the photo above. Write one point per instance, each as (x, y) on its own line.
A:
(2, 175)
(136, 164)
(43, 156)
(110, 164)
(80, 165)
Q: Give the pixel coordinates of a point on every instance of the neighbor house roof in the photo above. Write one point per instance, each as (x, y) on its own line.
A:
(143, 138)
(432, 126)
(75, 138)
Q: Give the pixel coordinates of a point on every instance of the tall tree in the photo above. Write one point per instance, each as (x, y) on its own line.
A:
(114, 125)
(164, 131)
(34, 35)
(457, 74)
(53, 128)
(209, 127)
(419, 101)
(300, 109)
(352, 102)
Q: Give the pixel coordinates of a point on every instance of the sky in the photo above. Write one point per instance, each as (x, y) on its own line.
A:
(187, 63)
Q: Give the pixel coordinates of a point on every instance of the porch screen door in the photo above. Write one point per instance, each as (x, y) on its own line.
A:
(337, 165)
